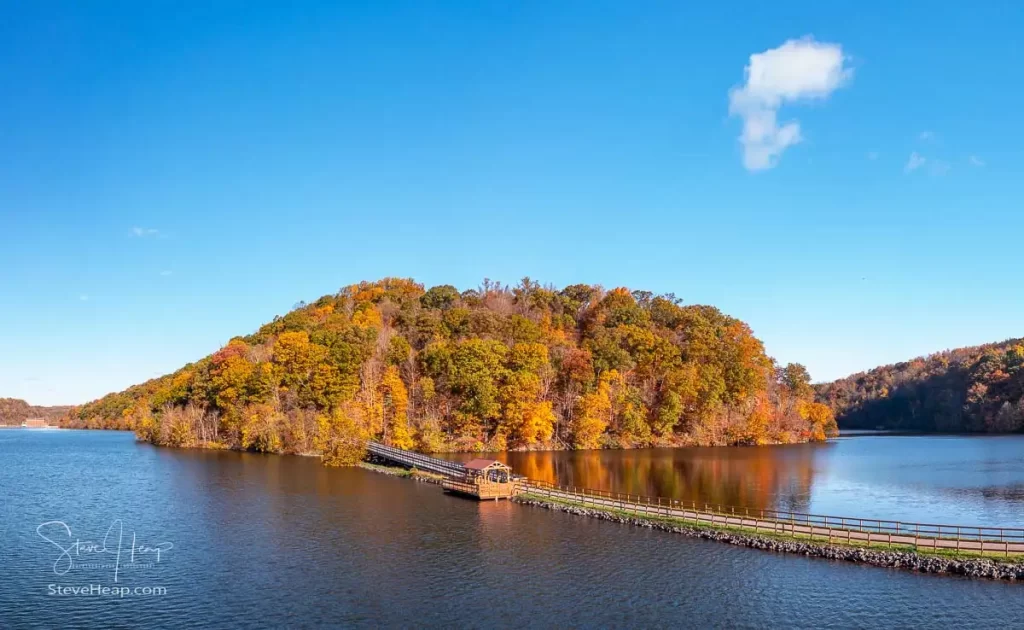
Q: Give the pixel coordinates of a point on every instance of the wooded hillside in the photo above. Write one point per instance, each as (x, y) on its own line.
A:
(14, 411)
(969, 389)
(492, 368)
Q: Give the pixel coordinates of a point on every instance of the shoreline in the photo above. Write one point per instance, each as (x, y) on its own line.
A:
(454, 447)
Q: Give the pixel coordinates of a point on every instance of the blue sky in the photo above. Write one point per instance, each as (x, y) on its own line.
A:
(173, 174)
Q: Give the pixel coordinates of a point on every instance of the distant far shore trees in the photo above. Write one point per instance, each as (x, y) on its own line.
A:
(977, 389)
(14, 411)
(500, 367)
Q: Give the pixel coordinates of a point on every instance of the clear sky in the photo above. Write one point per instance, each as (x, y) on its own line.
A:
(176, 173)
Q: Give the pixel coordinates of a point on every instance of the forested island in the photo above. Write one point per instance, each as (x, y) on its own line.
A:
(976, 389)
(494, 368)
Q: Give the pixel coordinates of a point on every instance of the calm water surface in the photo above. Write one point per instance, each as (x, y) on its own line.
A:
(973, 480)
(265, 541)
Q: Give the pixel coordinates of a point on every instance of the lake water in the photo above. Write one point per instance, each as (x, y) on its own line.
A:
(960, 480)
(264, 541)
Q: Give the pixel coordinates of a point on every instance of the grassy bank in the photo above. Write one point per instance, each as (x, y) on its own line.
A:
(397, 471)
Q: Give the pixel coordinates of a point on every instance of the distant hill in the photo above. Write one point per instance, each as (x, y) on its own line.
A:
(489, 368)
(14, 411)
(977, 389)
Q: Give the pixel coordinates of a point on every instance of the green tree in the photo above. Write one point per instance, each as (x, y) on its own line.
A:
(798, 380)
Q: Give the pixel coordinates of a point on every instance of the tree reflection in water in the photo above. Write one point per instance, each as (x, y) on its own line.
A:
(756, 477)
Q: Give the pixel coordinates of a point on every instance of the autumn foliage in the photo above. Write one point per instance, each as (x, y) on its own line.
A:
(14, 411)
(977, 389)
(497, 367)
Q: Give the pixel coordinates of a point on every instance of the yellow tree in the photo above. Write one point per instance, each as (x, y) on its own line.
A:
(758, 427)
(296, 358)
(261, 428)
(526, 418)
(820, 418)
(592, 415)
(341, 436)
(230, 373)
(394, 398)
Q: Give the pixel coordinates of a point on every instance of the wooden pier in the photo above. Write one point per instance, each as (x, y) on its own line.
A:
(480, 478)
(487, 479)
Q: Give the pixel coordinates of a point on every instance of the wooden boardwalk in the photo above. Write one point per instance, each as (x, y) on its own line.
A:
(854, 531)
(839, 529)
(418, 461)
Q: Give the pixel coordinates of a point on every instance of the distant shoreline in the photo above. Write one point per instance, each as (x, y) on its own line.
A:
(46, 428)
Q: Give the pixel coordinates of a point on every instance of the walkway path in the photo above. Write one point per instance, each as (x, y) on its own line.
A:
(856, 531)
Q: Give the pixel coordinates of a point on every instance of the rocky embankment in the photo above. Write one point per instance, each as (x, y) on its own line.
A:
(892, 558)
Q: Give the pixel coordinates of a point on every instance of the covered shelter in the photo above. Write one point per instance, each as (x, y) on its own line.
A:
(484, 479)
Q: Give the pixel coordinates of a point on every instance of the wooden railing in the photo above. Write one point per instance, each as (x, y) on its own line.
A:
(922, 536)
(416, 460)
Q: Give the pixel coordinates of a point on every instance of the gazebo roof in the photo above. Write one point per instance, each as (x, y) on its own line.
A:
(483, 464)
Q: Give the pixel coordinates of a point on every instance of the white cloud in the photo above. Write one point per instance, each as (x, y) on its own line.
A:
(915, 162)
(926, 135)
(166, 273)
(800, 69)
(83, 298)
(872, 155)
(141, 232)
(976, 161)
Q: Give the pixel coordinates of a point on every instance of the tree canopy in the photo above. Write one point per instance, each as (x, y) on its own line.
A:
(496, 367)
(976, 389)
(14, 411)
